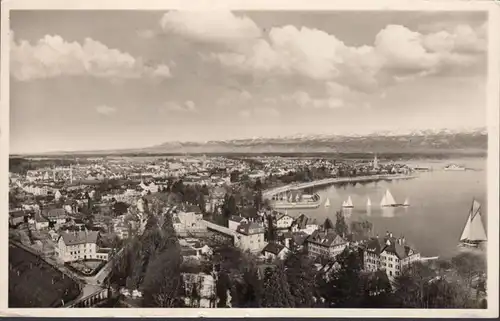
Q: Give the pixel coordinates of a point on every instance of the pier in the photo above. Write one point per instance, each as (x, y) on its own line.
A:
(329, 181)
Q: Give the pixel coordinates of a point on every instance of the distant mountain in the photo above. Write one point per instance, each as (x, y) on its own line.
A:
(417, 141)
(421, 141)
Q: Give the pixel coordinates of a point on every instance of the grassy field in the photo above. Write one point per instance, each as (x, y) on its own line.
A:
(33, 283)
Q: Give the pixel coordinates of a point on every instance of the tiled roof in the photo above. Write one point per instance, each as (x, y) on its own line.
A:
(323, 238)
(80, 237)
(250, 228)
(54, 212)
(274, 248)
(235, 218)
(379, 245)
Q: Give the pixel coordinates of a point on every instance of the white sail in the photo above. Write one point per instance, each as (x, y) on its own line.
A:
(368, 202)
(344, 204)
(327, 203)
(383, 202)
(407, 202)
(466, 231)
(388, 196)
(349, 202)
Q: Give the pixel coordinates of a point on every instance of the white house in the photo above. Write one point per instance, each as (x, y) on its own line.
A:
(79, 245)
(235, 221)
(250, 236)
(41, 222)
(275, 250)
(389, 254)
(283, 221)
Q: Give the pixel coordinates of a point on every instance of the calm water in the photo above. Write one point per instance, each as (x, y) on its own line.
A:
(439, 205)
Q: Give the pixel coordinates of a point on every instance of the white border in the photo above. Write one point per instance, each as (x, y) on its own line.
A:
(493, 101)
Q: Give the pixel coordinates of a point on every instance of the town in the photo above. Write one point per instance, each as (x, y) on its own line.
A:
(206, 231)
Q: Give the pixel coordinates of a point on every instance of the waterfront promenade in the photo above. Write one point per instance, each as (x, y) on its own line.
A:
(329, 181)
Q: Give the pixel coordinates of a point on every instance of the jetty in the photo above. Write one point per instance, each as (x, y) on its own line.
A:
(330, 181)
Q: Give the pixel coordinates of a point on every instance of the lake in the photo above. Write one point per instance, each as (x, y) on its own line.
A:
(439, 204)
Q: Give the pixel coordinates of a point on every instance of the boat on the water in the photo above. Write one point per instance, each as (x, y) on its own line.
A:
(368, 202)
(348, 203)
(327, 203)
(454, 167)
(473, 234)
(407, 202)
(304, 201)
(388, 200)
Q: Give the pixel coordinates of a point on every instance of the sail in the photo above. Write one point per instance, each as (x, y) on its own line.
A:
(344, 204)
(383, 202)
(368, 202)
(466, 231)
(407, 202)
(327, 203)
(389, 199)
(349, 201)
(476, 230)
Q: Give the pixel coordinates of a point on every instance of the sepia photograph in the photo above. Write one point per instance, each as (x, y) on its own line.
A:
(336, 159)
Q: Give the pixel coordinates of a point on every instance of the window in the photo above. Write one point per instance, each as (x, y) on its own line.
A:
(390, 273)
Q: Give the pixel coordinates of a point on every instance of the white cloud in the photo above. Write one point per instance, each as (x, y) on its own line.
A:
(304, 100)
(105, 110)
(397, 52)
(187, 106)
(216, 26)
(52, 56)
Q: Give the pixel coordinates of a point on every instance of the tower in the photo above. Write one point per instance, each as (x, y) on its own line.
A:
(70, 173)
(375, 162)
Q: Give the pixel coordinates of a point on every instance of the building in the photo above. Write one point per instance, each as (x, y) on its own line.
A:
(325, 243)
(188, 222)
(389, 254)
(250, 236)
(41, 222)
(79, 245)
(16, 217)
(235, 221)
(56, 215)
(304, 224)
(275, 250)
(283, 221)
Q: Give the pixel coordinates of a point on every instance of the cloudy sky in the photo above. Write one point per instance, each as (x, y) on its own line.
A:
(117, 79)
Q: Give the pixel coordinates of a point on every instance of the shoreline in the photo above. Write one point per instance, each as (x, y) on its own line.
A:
(331, 181)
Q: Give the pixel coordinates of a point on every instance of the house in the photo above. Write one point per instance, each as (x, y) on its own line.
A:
(325, 243)
(16, 217)
(389, 254)
(304, 224)
(188, 222)
(275, 250)
(79, 245)
(235, 221)
(56, 215)
(205, 285)
(250, 236)
(41, 222)
(283, 221)
(294, 240)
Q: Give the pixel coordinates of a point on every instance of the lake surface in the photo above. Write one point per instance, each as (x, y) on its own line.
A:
(439, 204)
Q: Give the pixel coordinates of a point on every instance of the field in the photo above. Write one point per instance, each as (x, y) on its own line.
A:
(35, 283)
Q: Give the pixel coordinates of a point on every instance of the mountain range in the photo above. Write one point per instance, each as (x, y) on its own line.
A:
(422, 141)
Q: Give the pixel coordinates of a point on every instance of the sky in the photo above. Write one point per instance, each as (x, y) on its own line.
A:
(89, 80)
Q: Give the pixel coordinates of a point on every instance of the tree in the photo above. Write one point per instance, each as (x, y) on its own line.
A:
(271, 228)
(222, 286)
(328, 225)
(276, 290)
(248, 292)
(163, 285)
(340, 225)
(301, 276)
(120, 208)
(347, 286)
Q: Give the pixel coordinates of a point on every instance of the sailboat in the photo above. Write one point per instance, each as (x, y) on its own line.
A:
(368, 203)
(388, 200)
(473, 234)
(327, 203)
(348, 203)
(407, 202)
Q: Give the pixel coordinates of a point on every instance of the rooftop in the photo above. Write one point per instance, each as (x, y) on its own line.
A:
(80, 237)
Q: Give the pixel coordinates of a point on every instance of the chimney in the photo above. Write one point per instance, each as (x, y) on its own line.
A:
(390, 235)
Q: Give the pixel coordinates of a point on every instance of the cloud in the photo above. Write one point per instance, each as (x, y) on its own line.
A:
(146, 34)
(220, 27)
(396, 53)
(187, 106)
(52, 56)
(261, 112)
(105, 110)
(304, 100)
